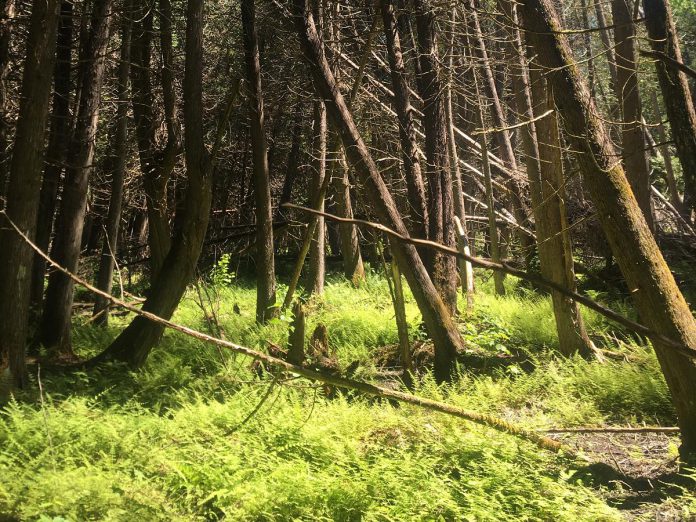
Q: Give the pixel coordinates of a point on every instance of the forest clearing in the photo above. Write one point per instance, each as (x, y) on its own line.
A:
(374, 260)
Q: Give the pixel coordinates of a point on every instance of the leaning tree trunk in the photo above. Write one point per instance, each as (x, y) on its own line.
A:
(117, 163)
(265, 264)
(23, 188)
(57, 315)
(436, 316)
(675, 91)
(633, 149)
(443, 268)
(133, 345)
(418, 211)
(656, 295)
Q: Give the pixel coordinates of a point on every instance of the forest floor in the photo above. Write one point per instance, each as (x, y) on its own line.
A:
(198, 435)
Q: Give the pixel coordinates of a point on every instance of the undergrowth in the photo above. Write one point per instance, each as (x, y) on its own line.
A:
(182, 440)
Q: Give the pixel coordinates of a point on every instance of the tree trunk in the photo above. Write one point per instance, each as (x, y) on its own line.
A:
(155, 164)
(353, 267)
(436, 316)
(265, 263)
(117, 163)
(606, 43)
(547, 186)
(56, 323)
(7, 8)
(317, 261)
(675, 91)
(656, 295)
(443, 269)
(544, 151)
(418, 211)
(633, 150)
(133, 345)
(58, 140)
(23, 188)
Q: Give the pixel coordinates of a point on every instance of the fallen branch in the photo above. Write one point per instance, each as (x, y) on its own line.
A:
(687, 351)
(610, 429)
(489, 421)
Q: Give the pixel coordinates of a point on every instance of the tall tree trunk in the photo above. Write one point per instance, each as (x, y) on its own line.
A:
(56, 323)
(133, 345)
(117, 163)
(656, 295)
(633, 149)
(418, 215)
(675, 91)
(23, 188)
(317, 260)
(547, 186)
(58, 140)
(265, 263)
(441, 199)
(156, 164)
(544, 151)
(436, 316)
(7, 10)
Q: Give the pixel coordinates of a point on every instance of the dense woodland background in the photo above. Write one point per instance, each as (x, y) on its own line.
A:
(389, 208)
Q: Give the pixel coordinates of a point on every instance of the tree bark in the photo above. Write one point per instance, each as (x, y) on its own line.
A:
(117, 163)
(265, 263)
(443, 269)
(58, 140)
(133, 345)
(436, 316)
(675, 91)
(23, 188)
(317, 260)
(57, 315)
(656, 295)
(156, 164)
(7, 10)
(418, 215)
(353, 267)
(633, 150)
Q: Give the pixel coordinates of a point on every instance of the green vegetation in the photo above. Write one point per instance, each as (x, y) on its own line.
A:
(181, 440)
